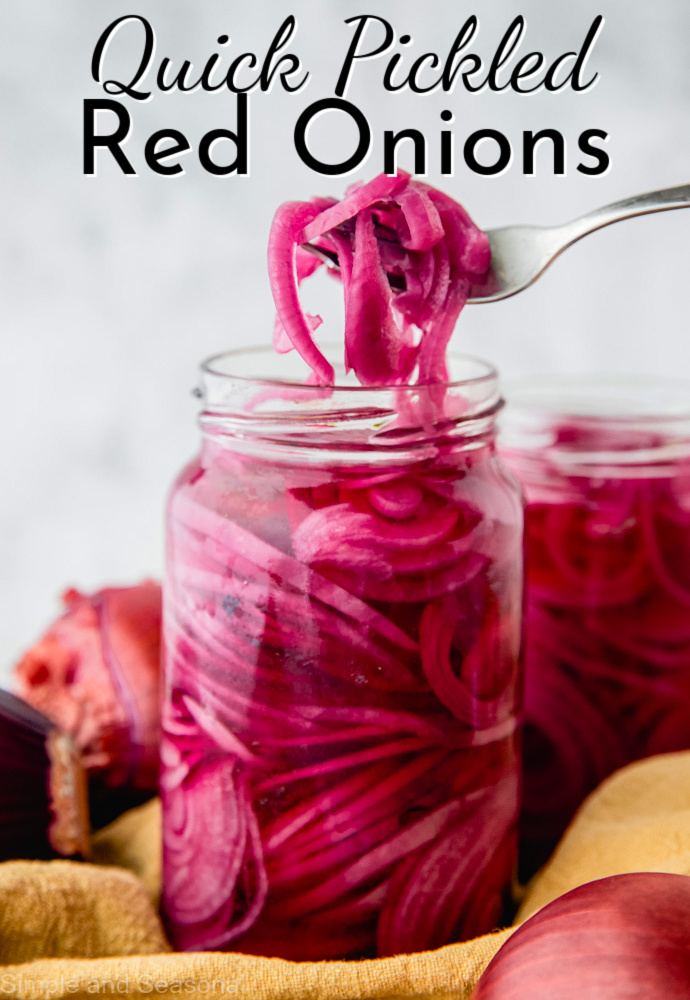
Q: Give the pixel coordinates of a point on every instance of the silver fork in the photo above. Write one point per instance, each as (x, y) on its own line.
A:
(521, 254)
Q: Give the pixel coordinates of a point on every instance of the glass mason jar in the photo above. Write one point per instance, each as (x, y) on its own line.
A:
(605, 464)
(342, 621)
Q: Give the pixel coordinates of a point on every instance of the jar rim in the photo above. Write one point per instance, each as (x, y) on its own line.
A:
(597, 424)
(616, 398)
(486, 373)
(286, 414)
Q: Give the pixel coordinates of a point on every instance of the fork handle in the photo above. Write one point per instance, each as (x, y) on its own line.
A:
(639, 204)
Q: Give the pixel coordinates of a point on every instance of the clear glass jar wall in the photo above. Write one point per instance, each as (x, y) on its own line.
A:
(605, 464)
(343, 608)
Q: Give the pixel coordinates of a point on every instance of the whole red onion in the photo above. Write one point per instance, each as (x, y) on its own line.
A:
(95, 673)
(626, 937)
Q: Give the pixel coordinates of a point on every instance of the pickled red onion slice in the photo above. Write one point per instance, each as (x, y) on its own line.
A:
(284, 238)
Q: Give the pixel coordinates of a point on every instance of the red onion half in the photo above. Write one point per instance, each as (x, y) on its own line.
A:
(96, 672)
(626, 937)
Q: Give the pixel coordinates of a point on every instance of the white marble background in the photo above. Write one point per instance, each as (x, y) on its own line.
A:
(113, 288)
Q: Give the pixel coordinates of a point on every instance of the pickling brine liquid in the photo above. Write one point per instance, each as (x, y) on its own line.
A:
(342, 636)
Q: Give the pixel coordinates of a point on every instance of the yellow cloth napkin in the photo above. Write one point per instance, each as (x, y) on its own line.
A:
(134, 842)
(446, 974)
(637, 820)
(96, 911)
(64, 909)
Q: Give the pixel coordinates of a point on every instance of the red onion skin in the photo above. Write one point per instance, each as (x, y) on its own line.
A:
(626, 937)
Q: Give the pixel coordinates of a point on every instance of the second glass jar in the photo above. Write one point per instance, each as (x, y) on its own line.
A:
(605, 464)
(342, 627)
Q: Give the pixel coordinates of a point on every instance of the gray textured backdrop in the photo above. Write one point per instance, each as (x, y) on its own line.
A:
(113, 288)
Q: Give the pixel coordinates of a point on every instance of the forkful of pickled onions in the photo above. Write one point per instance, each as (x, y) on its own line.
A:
(520, 254)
